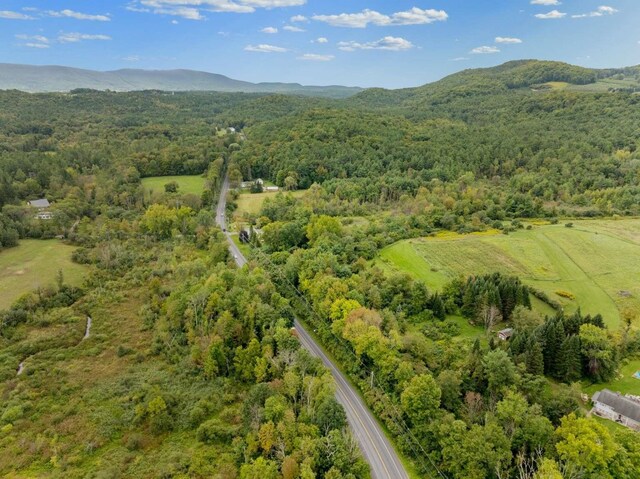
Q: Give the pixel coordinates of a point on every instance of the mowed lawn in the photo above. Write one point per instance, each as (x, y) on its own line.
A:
(35, 263)
(187, 184)
(625, 383)
(597, 261)
(251, 203)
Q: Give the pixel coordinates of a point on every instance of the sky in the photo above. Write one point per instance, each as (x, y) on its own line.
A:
(391, 43)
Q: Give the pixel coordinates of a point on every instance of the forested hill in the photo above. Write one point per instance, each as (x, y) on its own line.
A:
(59, 79)
(511, 77)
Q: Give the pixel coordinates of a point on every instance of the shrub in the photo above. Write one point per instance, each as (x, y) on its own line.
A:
(565, 294)
(122, 351)
(12, 414)
(214, 431)
(134, 442)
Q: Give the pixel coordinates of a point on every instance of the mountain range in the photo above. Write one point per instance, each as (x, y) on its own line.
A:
(38, 79)
(520, 74)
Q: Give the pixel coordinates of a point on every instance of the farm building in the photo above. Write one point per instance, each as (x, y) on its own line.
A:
(505, 334)
(42, 205)
(249, 184)
(619, 408)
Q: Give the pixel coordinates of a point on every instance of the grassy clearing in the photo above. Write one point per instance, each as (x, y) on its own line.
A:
(557, 85)
(33, 264)
(606, 84)
(596, 261)
(625, 383)
(251, 203)
(467, 330)
(187, 184)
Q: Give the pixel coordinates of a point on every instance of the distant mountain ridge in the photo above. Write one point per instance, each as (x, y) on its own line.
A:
(513, 76)
(38, 79)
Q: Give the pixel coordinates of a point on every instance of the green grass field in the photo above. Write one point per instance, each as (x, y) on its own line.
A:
(251, 203)
(35, 263)
(605, 84)
(597, 261)
(625, 383)
(187, 184)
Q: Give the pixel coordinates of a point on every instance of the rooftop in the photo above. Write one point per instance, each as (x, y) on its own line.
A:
(41, 203)
(619, 403)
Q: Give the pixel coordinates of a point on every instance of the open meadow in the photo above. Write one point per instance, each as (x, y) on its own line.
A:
(251, 203)
(35, 263)
(186, 184)
(595, 265)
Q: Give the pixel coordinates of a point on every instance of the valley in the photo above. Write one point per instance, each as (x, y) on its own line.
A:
(444, 278)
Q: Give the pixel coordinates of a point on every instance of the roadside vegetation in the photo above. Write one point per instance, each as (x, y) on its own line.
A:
(430, 219)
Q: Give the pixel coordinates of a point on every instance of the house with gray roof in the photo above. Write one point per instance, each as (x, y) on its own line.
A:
(622, 409)
(42, 205)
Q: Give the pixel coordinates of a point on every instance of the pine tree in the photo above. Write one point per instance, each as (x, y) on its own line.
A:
(553, 339)
(571, 359)
(534, 359)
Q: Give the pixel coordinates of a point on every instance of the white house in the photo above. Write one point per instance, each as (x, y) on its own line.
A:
(42, 205)
(619, 408)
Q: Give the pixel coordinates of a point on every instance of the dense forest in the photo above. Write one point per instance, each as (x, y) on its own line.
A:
(193, 369)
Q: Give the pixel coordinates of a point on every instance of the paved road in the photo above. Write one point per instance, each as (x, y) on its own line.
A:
(221, 221)
(376, 448)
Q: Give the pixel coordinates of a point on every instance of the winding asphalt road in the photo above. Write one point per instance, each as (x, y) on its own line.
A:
(376, 448)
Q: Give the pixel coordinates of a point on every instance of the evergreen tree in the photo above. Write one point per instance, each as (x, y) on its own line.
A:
(571, 359)
(534, 359)
(553, 338)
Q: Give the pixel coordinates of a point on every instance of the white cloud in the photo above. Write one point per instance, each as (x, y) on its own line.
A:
(78, 37)
(599, 12)
(78, 16)
(552, 15)
(386, 43)
(545, 2)
(291, 28)
(459, 59)
(264, 48)
(9, 15)
(485, 50)
(185, 12)
(36, 45)
(269, 30)
(316, 58)
(33, 38)
(192, 9)
(415, 16)
(299, 19)
(509, 40)
(321, 40)
(268, 4)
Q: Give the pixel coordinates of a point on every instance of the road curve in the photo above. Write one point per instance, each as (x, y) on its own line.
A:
(376, 448)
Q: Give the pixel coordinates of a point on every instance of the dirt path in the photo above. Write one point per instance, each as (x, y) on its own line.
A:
(87, 331)
(20, 368)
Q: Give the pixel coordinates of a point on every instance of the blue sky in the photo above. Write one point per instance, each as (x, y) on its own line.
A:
(391, 44)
